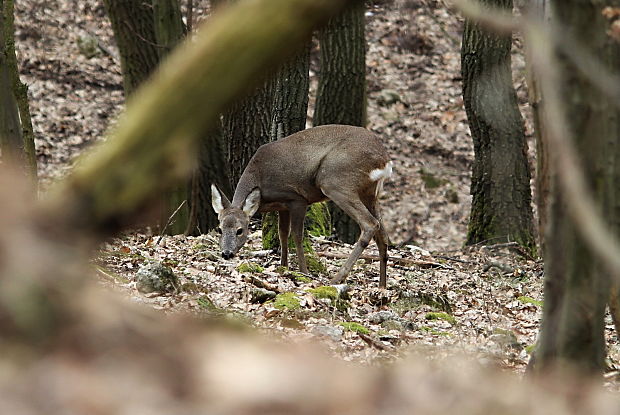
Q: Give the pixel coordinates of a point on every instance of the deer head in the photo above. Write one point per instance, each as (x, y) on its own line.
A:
(234, 220)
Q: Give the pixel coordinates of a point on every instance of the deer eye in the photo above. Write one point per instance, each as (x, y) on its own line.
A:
(239, 231)
(218, 230)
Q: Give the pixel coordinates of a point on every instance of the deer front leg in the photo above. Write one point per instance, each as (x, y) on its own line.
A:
(284, 226)
(298, 213)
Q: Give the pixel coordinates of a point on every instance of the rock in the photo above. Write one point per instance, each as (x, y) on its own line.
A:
(260, 295)
(381, 316)
(156, 277)
(330, 332)
(388, 97)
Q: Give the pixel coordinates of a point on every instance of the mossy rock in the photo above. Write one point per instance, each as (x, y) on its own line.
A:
(156, 277)
(441, 316)
(529, 300)
(250, 267)
(330, 293)
(287, 301)
(325, 291)
(353, 326)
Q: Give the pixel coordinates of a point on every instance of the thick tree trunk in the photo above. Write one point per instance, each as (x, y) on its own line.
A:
(145, 32)
(211, 168)
(16, 133)
(501, 205)
(133, 23)
(246, 127)
(576, 288)
(288, 115)
(341, 94)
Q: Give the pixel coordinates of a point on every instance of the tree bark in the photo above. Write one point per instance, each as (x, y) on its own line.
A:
(341, 94)
(246, 126)
(211, 168)
(16, 133)
(501, 206)
(133, 23)
(289, 109)
(576, 288)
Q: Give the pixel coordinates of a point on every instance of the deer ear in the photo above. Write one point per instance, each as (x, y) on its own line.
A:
(218, 200)
(252, 202)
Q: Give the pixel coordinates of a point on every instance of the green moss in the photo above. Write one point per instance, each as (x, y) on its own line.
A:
(205, 303)
(530, 349)
(325, 291)
(250, 267)
(189, 287)
(318, 220)
(271, 240)
(430, 180)
(288, 301)
(440, 316)
(303, 279)
(315, 266)
(353, 326)
(435, 331)
(200, 247)
(529, 300)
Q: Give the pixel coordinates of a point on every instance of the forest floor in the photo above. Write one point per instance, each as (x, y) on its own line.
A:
(441, 298)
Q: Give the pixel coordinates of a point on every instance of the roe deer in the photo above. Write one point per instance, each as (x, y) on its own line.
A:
(345, 164)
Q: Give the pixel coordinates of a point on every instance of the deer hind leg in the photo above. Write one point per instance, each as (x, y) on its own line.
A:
(381, 238)
(298, 213)
(284, 226)
(351, 204)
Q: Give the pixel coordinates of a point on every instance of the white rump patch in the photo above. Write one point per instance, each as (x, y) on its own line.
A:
(383, 173)
(379, 176)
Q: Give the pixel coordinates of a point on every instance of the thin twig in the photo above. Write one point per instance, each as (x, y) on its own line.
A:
(257, 282)
(161, 235)
(400, 261)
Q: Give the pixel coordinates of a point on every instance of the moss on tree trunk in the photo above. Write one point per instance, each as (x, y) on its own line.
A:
(341, 94)
(16, 133)
(501, 205)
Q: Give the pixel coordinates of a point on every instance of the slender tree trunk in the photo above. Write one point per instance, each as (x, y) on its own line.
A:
(341, 94)
(576, 288)
(541, 12)
(501, 205)
(16, 133)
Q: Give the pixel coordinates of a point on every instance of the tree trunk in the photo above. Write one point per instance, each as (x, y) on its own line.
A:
(211, 168)
(341, 94)
(576, 288)
(246, 127)
(16, 133)
(541, 12)
(145, 32)
(289, 110)
(133, 23)
(501, 206)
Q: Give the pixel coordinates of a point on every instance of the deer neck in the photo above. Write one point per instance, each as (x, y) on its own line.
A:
(248, 182)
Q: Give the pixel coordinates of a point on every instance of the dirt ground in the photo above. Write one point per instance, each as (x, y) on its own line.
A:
(441, 297)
